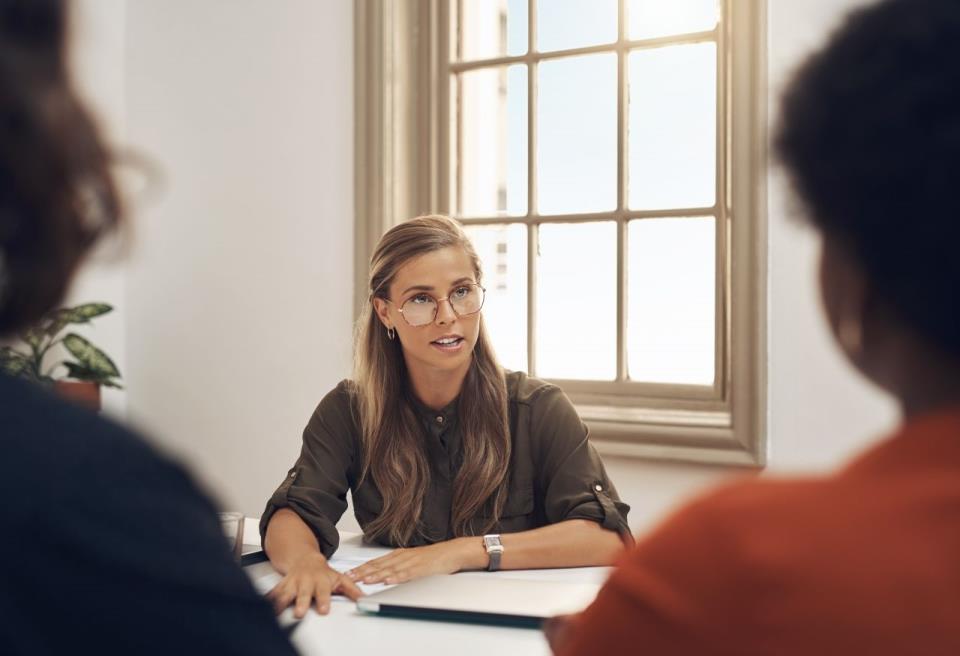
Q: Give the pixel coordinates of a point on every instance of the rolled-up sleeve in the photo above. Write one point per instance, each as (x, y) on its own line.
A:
(573, 480)
(316, 486)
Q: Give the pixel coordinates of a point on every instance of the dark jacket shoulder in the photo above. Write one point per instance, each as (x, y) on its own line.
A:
(526, 390)
(340, 407)
(47, 439)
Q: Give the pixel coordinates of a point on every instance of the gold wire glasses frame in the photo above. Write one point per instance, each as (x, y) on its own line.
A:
(468, 304)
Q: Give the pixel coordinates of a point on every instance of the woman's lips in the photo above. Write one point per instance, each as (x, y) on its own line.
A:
(448, 344)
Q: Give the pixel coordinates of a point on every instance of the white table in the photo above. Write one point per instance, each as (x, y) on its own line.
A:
(348, 631)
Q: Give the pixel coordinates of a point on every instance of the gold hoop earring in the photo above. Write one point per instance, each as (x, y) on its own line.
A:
(391, 333)
(850, 334)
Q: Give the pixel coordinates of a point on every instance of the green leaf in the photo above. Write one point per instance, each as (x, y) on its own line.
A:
(87, 311)
(12, 362)
(54, 322)
(79, 372)
(90, 356)
(33, 337)
(84, 313)
(57, 320)
(6, 352)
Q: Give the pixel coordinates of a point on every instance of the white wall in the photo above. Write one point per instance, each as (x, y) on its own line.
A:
(237, 307)
(98, 32)
(239, 295)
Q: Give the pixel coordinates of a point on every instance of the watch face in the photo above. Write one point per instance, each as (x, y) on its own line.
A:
(491, 541)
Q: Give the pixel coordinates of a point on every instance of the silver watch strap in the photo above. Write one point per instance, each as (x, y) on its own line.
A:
(494, 548)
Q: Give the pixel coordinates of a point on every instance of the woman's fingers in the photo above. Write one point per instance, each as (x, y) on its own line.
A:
(305, 593)
(348, 588)
(401, 570)
(377, 575)
(375, 565)
(399, 575)
(402, 565)
(323, 588)
(388, 571)
(280, 596)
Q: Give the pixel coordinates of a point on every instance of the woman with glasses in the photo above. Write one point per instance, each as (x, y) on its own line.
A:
(456, 462)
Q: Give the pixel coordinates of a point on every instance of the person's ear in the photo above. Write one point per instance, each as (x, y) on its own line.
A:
(382, 308)
(845, 295)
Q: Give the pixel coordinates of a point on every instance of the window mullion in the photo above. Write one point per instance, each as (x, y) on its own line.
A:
(723, 273)
(622, 183)
(533, 241)
(533, 230)
(622, 301)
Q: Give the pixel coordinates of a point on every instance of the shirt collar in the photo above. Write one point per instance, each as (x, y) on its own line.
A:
(444, 416)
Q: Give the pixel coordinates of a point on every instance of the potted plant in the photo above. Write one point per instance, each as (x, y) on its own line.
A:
(90, 369)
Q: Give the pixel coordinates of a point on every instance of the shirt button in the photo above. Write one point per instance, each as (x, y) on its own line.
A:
(439, 419)
(598, 487)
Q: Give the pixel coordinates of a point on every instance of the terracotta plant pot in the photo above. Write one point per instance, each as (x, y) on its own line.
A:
(83, 392)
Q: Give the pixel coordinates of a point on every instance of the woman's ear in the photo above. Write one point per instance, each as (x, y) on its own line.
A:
(382, 308)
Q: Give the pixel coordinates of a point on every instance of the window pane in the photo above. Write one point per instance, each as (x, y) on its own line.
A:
(563, 24)
(493, 141)
(672, 145)
(493, 28)
(503, 254)
(577, 139)
(577, 301)
(672, 301)
(653, 18)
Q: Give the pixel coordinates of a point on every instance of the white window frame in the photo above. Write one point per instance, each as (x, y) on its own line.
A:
(402, 169)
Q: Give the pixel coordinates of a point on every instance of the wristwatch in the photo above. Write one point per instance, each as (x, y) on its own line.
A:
(494, 549)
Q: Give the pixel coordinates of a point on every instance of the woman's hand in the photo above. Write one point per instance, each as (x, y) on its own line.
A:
(408, 564)
(309, 578)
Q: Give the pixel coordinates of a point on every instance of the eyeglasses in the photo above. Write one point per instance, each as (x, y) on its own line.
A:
(421, 309)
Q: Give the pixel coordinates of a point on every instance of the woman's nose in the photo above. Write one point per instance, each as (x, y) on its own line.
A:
(445, 313)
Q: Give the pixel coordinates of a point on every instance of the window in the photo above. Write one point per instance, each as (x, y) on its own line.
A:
(604, 158)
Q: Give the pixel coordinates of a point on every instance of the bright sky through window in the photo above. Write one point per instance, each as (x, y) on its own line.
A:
(671, 164)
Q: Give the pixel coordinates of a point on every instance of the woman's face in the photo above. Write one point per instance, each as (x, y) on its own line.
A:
(446, 343)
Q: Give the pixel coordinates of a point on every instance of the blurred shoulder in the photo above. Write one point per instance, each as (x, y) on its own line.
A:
(36, 423)
(753, 501)
(744, 523)
(57, 451)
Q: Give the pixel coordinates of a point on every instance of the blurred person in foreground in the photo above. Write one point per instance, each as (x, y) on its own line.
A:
(866, 560)
(107, 547)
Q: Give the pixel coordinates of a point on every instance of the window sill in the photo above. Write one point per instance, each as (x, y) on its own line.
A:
(706, 437)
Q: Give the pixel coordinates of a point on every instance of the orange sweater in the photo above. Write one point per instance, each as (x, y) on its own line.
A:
(863, 562)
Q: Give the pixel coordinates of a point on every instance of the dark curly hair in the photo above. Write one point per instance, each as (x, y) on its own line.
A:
(870, 135)
(56, 195)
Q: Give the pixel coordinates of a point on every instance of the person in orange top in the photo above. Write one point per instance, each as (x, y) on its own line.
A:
(866, 560)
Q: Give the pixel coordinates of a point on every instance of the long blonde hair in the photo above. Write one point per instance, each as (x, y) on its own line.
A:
(394, 453)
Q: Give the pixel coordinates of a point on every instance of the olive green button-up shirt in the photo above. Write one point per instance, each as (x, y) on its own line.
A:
(555, 473)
